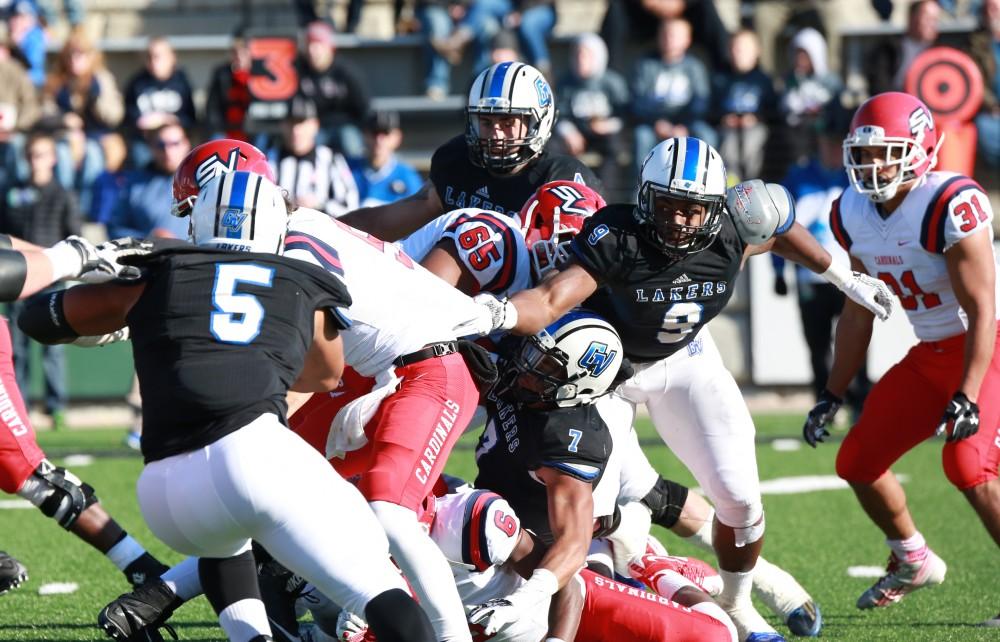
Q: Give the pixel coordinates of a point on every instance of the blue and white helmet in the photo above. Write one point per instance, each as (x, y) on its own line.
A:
(570, 363)
(240, 211)
(509, 88)
(687, 169)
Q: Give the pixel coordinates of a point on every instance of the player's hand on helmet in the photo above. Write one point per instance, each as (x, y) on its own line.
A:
(960, 419)
(870, 293)
(820, 416)
(495, 615)
(493, 314)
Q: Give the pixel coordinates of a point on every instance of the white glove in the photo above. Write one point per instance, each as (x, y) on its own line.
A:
(102, 340)
(77, 258)
(351, 627)
(867, 291)
(493, 314)
(111, 252)
(496, 614)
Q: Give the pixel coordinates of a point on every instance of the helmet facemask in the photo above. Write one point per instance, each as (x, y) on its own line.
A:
(677, 239)
(502, 157)
(907, 155)
(534, 373)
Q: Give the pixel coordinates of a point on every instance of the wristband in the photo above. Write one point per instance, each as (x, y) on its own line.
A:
(66, 260)
(837, 274)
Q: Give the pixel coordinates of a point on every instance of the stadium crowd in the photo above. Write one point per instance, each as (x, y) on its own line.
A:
(505, 238)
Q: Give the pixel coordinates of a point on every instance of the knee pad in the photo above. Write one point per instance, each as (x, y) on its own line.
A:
(58, 493)
(665, 501)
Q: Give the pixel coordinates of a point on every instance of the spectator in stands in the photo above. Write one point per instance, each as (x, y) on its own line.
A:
(229, 93)
(814, 184)
(635, 22)
(593, 103)
(984, 47)
(40, 211)
(887, 64)
(806, 89)
(337, 90)
(29, 37)
(745, 101)
(83, 95)
(532, 19)
(382, 177)
(109, 186)
(504, 47)
(144, 208)
(157, 95)
(437, 20)
(313, 174)
(19, 108)
(670, 92)
(72, 8)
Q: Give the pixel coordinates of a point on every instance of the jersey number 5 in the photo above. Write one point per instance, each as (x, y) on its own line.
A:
(238, 316)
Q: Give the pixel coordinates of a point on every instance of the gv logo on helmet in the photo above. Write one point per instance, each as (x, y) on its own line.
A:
(232, 222)
(214, 166)
(544, 92)
(597, 358)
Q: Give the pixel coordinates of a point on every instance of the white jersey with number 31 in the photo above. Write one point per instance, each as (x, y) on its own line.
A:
(906, 249)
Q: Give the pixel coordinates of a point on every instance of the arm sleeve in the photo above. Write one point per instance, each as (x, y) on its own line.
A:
(489, 248)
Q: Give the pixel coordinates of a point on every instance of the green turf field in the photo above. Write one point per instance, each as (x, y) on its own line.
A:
(816, 536)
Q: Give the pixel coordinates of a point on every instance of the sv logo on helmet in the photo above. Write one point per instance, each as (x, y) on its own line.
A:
(214, 166)
(569, 197)
(597, 358)
(920, 121)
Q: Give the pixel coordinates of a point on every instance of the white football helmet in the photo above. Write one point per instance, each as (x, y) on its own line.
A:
(516, 89)
(570, 363)
(240, 211)
(687, 169)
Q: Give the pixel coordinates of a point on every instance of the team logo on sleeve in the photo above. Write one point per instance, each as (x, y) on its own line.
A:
(597, 358)
(599, 232)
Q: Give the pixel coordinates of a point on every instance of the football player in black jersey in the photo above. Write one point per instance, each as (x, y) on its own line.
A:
(219, 338)
(24, 470)
(545, 447)
(497, 164)
(659, 271)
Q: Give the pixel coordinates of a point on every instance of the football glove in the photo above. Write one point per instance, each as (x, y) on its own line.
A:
(960, 419)
(496, 614)
(352, 628)
(494, 314)
(820, 416)
(870, 293)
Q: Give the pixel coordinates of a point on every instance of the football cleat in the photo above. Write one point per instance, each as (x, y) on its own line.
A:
(279, 589)
(648, 568)
(12, 573)
(901, 578)
(992, 622)
(767, 636)
(806, 620)
(137, 616)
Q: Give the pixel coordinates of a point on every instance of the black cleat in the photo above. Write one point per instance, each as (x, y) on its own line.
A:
(137, 616)
(144, 568)
(279, 589)
(12, 573)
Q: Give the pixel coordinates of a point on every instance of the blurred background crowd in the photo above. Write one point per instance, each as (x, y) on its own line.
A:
(96, 116)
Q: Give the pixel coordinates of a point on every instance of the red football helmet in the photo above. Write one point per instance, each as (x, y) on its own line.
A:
(904, 127)
(208, 160)
(552, 217)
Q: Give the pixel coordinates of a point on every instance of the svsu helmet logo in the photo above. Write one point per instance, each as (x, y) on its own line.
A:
(214, 166)
(597, 358)
(920, 121)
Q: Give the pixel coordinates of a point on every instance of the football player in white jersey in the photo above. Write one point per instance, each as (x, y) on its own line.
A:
(928, 235)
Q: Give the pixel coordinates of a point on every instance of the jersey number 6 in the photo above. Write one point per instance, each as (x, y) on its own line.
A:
(238, 316)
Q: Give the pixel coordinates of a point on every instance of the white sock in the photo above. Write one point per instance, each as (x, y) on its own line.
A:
(735, 599)
(426, 569)
(669, 582)
(777, 588)
(703, 538)
(912, 544)
(714, 611)
(125, 552)
(183, 579)
(244, 620)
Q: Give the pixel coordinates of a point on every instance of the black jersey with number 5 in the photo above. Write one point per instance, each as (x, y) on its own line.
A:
(656, 302)
(218, 338)
(460, 183)
(518, 441)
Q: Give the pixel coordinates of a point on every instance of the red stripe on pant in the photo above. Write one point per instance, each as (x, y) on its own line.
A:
(19, 452)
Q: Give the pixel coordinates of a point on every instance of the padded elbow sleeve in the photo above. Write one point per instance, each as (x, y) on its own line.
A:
(13, 272)
(58, 493)
(665, 501)
(43, 319)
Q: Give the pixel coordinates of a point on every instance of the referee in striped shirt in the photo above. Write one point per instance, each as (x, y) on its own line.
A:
(314, 175)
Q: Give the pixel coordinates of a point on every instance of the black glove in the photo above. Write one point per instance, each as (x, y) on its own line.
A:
(961, 417)
(822, 414)
(780, 285)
